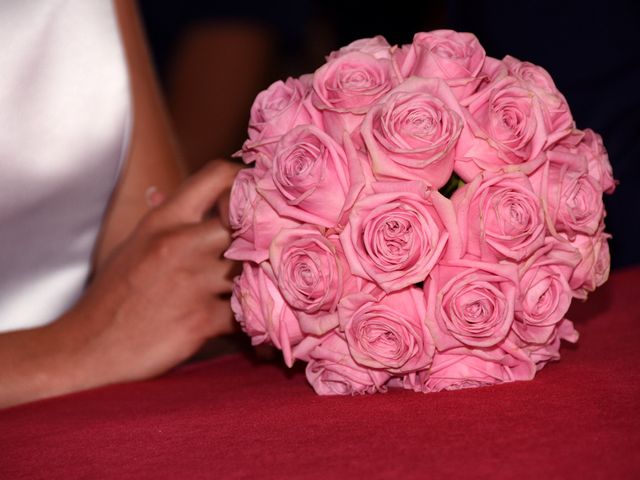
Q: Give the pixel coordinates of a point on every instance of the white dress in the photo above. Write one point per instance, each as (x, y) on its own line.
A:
(64, 128)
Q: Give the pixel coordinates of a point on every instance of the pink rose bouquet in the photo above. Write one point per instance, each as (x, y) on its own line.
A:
(417, 217)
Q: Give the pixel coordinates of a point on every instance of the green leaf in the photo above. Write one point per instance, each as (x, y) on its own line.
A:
(454, 183)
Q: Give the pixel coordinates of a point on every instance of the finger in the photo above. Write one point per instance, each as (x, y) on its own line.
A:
(154, 197)
(210, 236)
(222, 321)
(198, 194)
(223, 208)
(216, 276)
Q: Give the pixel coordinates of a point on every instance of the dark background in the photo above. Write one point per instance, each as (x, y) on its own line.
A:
(214, 57)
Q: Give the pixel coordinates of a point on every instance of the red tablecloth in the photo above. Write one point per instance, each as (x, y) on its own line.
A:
(229, 418)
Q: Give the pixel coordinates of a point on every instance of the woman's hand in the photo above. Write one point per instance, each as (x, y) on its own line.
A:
(154, 302)
(158, 283)
(159, 297)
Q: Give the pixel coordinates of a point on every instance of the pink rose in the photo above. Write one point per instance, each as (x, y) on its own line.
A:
(510, 125)
(470, 303)
(541, 354)
(493, 69)
(452, 56)
(395, 237)
(332, 371)
(573, 197)
(531, 75)
(460, 368)
(278, 109)
(501, 217)
(262, 312)
(242, 201)
(352, 82)
(250, 213)
(387, 333)
(347, 85)
(275, 111)
(597, 160)
(411, 133)
(377, 47)
(586, 148)
(544, 294)
(557, 114)
(311, 179)
(309, 267)
(593, 270)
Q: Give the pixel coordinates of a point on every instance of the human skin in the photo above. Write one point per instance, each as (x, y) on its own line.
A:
(159, 281)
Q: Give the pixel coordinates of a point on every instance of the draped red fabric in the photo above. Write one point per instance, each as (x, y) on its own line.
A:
(230, 418)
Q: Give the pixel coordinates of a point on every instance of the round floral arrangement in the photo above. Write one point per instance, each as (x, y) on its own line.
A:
(417, 216)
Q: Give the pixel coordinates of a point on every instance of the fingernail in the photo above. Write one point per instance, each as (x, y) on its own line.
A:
(152, 196)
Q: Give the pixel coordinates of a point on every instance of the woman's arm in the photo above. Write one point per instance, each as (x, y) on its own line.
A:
(153, 159)
(156, 295)
(154, 302)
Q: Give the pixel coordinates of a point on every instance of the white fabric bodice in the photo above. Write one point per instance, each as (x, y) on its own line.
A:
(64, 128)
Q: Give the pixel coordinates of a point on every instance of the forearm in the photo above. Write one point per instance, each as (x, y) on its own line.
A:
(76, 352)
(38, 363)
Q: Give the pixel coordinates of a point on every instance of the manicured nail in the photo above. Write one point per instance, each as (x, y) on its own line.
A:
(153, 196)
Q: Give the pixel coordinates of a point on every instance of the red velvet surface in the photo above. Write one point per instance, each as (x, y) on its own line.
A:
(229, 418)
